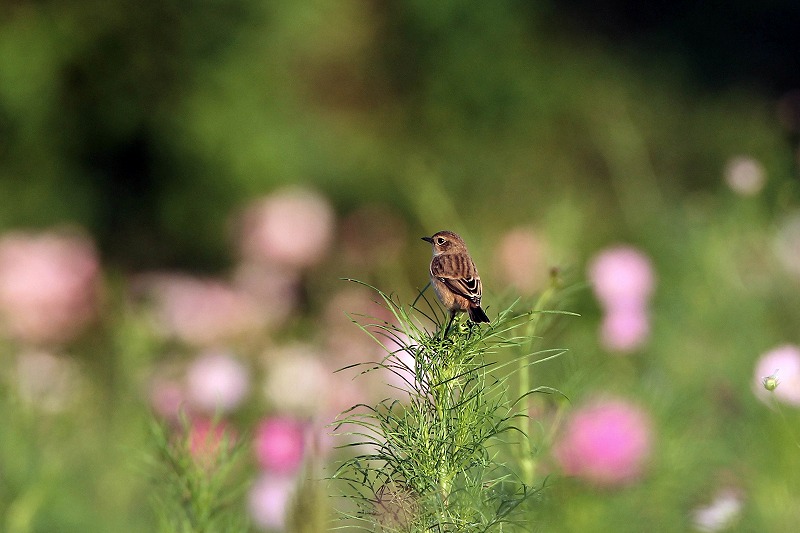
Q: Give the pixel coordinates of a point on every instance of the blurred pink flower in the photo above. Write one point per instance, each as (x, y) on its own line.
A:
(217, 382)
(625, 330)
(279, 444)
(49, 285)
(345, 393)
(622, 277)
(200, 311)
(268, 499)
(606, 442)
(783, 363)
(292, 227)
(745, 175)
(521, 260)
(47, 381)
(297, 381)
(167, 398)
(275, 289)
(206, 440)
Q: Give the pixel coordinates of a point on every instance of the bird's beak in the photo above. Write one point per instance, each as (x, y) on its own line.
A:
(429, 239)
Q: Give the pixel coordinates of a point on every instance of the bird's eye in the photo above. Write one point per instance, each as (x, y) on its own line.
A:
(440, 241)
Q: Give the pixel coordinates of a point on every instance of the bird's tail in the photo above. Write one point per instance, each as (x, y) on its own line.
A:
(476, 314)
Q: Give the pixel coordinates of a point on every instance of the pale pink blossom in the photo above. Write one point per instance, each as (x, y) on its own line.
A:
(745, 175)
(217, 382)
(345, 393)
(297, 380)
(622, 277)
(200, 311)
(521, 260)
(275, 289)
(49, 285)
(268, 500)
(322, 434)
(606, 442)
(279, 444)
(292, 227)
(167, 398)
(625, 330)
(782, 363)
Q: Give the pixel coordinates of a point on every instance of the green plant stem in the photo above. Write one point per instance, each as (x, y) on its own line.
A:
(442, 408)
(526, 460)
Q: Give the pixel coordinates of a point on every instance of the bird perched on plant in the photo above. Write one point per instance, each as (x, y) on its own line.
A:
(454, 277)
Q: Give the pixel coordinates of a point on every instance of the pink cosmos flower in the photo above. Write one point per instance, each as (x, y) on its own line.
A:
(606, 442)
(217, 382)
(49, 285)
(622, 277)
(279, 444)
(521, 260)
(292, 227)
(200, 311)
(623, 280)
(268, 499)
(625, 330)
(783, 363)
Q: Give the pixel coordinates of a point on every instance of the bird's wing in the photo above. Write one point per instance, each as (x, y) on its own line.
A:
(459, 274)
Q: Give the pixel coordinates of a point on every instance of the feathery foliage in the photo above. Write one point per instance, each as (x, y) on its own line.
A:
(195, 482)
(433, 461)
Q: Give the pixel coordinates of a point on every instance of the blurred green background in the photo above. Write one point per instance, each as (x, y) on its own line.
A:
(151, 125)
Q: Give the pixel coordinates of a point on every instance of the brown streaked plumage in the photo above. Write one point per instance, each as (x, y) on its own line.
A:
(454, 276)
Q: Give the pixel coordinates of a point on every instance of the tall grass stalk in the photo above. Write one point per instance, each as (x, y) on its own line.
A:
(430, 459)
(525, 453)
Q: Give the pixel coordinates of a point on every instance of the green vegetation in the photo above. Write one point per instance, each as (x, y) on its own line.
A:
(183, 186)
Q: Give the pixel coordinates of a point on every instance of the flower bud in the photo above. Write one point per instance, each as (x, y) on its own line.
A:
(770, 382)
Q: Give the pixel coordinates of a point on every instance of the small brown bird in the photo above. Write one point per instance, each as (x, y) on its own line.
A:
(454, 276)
